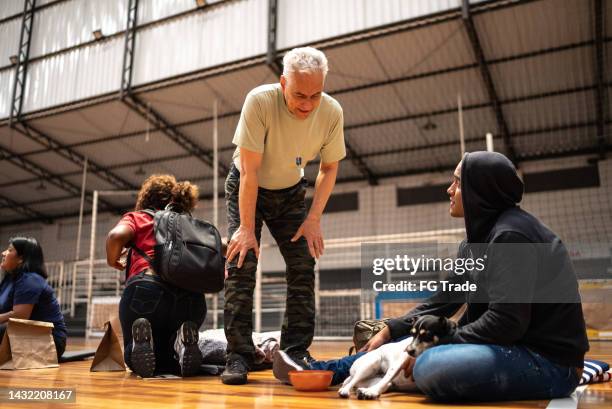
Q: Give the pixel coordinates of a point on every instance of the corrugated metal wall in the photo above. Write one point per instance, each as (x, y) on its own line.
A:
(81, 73)
(303, 22)
(6, 89)
(73, 22)
(226, 33)
(9, 40)
(153, 10)
(10, 7)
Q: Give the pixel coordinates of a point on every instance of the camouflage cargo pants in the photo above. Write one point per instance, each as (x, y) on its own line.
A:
(283, 211)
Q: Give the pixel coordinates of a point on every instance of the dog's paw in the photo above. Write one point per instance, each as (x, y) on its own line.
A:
(344, 393)
(367, 394)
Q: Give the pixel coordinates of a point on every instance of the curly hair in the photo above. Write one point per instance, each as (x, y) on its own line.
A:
(160, 190)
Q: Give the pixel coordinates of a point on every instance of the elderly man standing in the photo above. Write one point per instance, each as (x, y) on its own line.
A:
(282, 127)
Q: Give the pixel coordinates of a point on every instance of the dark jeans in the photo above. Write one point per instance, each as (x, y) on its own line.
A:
(471, 372)
(341, 367)
(166, 307)
(491, 373)
(283, 211)
(60, 342)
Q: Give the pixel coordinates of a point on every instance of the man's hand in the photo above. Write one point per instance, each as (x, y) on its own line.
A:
(241, 242)
(383, 336)
(311, 230)
(409, 366)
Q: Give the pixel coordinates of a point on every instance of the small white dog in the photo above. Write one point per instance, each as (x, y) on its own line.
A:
(377, 371)
(381, 369)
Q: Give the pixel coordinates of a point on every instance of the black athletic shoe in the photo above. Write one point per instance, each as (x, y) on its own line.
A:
(302, 358)
(186, 349)
(283, 363)
(235, 373)
(143, 354)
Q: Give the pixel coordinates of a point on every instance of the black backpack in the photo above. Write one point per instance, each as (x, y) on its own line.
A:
(188, 252)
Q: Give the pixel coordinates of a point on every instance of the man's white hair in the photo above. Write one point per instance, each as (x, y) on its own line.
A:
(304, 60)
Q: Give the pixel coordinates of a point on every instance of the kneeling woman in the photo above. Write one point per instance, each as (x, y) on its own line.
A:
(160, 322)
(25, 292)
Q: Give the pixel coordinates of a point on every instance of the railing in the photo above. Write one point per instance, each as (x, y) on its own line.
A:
(82, 281)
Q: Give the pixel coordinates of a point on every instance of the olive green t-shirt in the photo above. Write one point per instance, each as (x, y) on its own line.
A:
(287, 143)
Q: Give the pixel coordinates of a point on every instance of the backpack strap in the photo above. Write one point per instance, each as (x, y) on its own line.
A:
(150, 212)
(141, 253)
(137, 249)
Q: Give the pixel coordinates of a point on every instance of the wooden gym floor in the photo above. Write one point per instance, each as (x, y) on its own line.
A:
(125, 390)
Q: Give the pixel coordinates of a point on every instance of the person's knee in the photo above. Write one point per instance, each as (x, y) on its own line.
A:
(300, 272)
(434, 375)
(249, 265)
(425, 371)
(302, 262)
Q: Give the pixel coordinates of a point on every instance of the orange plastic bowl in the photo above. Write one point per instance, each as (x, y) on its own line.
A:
(310, 380)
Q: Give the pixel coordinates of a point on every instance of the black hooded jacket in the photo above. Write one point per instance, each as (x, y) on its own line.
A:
(552, 324)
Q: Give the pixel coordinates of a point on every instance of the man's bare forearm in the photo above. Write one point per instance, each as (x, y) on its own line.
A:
(247, 199)
(326, 179)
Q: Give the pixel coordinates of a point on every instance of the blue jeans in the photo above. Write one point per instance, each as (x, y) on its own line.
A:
(491, 373)
(341, 367)
(461, 372)
(166, 307)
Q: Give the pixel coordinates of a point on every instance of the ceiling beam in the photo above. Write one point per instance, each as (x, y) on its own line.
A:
(158, 121)
(450, 167)
(402, 118)
(129, 46)
(485, 73)
(144, 110)
(23, 209)
(271, 52)
(44, 174)
(428, 74)
(23, 59)
(73, 156)
(454, 142)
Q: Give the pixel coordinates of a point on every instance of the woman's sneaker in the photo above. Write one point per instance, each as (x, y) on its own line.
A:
(143, 353)
(186, 349)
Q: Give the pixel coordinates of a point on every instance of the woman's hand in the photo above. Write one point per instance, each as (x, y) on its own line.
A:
(116, 240)
(121, 261)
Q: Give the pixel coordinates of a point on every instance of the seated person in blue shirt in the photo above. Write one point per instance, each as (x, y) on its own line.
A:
(24, 291)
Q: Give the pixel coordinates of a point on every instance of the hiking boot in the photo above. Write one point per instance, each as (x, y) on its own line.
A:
(143, 353)
(235, 373)
(283, 363)
(186, 349)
